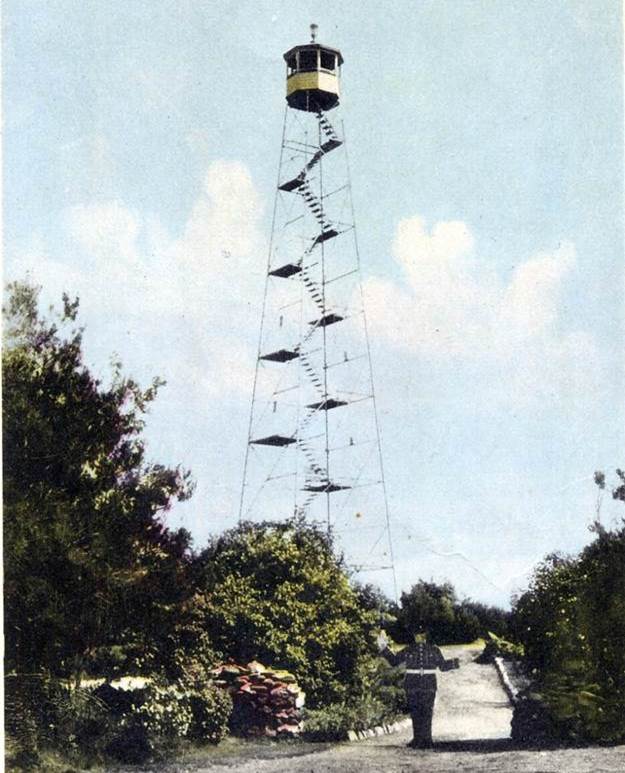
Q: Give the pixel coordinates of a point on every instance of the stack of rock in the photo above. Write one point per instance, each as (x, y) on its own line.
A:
(265, 701)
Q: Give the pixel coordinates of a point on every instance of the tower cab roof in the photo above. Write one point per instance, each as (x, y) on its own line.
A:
(313, 46)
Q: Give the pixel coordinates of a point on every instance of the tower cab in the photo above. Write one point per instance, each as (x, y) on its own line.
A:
(312, 77)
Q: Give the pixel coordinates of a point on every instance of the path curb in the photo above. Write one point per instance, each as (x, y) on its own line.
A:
(396, 727)
(510, 690)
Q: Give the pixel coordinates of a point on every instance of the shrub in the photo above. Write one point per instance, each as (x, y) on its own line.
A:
(23, 723)
(571, 621)
(165, 712)
(89, 562)
(276, 592)
(496, 646)
(78, 719)
(436, 608)
(332, 722)
(211, 709)
(156, 717)
(380, 700)
(43, 713)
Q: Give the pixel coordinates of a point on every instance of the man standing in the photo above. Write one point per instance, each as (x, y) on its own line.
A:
(421, 659)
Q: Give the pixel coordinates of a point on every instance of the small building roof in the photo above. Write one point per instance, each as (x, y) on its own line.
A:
(309, 46)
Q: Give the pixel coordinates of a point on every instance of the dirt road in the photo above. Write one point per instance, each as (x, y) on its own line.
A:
(471, 733)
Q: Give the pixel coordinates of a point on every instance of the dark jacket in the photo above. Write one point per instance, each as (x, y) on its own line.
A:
(417, 657)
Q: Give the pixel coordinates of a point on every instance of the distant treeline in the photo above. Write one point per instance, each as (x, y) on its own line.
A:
(436, 608)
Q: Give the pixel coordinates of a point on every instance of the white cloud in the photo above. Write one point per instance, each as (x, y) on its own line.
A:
(105, 231)
(529, 305)
(223, 221)
(452, 306)
(224, 366)
(197, 291)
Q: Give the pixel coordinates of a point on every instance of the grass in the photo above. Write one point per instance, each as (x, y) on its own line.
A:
(49, 760)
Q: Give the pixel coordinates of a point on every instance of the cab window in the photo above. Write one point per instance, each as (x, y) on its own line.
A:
(328, 60)
(307, 60)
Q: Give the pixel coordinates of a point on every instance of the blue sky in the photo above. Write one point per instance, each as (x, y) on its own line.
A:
(141, 146)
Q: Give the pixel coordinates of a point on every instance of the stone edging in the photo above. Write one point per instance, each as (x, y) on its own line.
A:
(510, 690)
(396, 727)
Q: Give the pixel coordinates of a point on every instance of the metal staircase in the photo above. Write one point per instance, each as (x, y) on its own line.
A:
(310, 430)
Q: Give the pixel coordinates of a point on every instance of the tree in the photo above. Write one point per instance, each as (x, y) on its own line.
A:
(481, 619)
(371, 598)
(571, 621)
(276, 592)
(436, 608)
(89, 562)
(429, 605)
(545, 617)
(602, 616)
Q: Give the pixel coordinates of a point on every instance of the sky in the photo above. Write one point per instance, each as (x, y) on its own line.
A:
(141, 145)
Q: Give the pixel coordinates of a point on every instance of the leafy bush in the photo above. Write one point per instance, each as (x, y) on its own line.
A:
(153, 718)
(489, 619)
(546, 617)
(332, 722)
(276, 592)
(43, 713)
(165, 712)
(380, 700)
(211, 709)
(78, 719)
(571, 621)
(448, 620)
(497, 646)
(24, 724)
(156, 717)
(88, 559)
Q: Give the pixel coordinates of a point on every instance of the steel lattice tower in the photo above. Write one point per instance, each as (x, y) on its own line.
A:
(314, 443)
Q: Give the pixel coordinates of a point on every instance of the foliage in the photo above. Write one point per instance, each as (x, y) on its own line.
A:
(333, 722)
(385, 684)
(45, 713)
(24, 699)
(128, 724)
(381, 701)
(489, 619)
(571, 621)
(437, 609)
(372, 599)
(184, 652)
(276, 592)
(156, 717)
(546, 617)
(150, 719)
(431, 606)
(211, 709)
(164, 712)
(89, 564)
(497, 646)
(504, 648)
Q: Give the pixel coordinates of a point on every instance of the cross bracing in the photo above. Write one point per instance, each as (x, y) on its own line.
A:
(313, 444)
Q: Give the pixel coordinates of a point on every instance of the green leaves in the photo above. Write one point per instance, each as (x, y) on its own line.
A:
(571, 621)
(87, 557)
(277, 593)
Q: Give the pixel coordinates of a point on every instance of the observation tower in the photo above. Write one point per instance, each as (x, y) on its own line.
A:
(313, 446)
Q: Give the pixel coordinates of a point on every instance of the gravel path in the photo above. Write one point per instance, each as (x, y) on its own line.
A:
(471, 733)
(470, 703)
